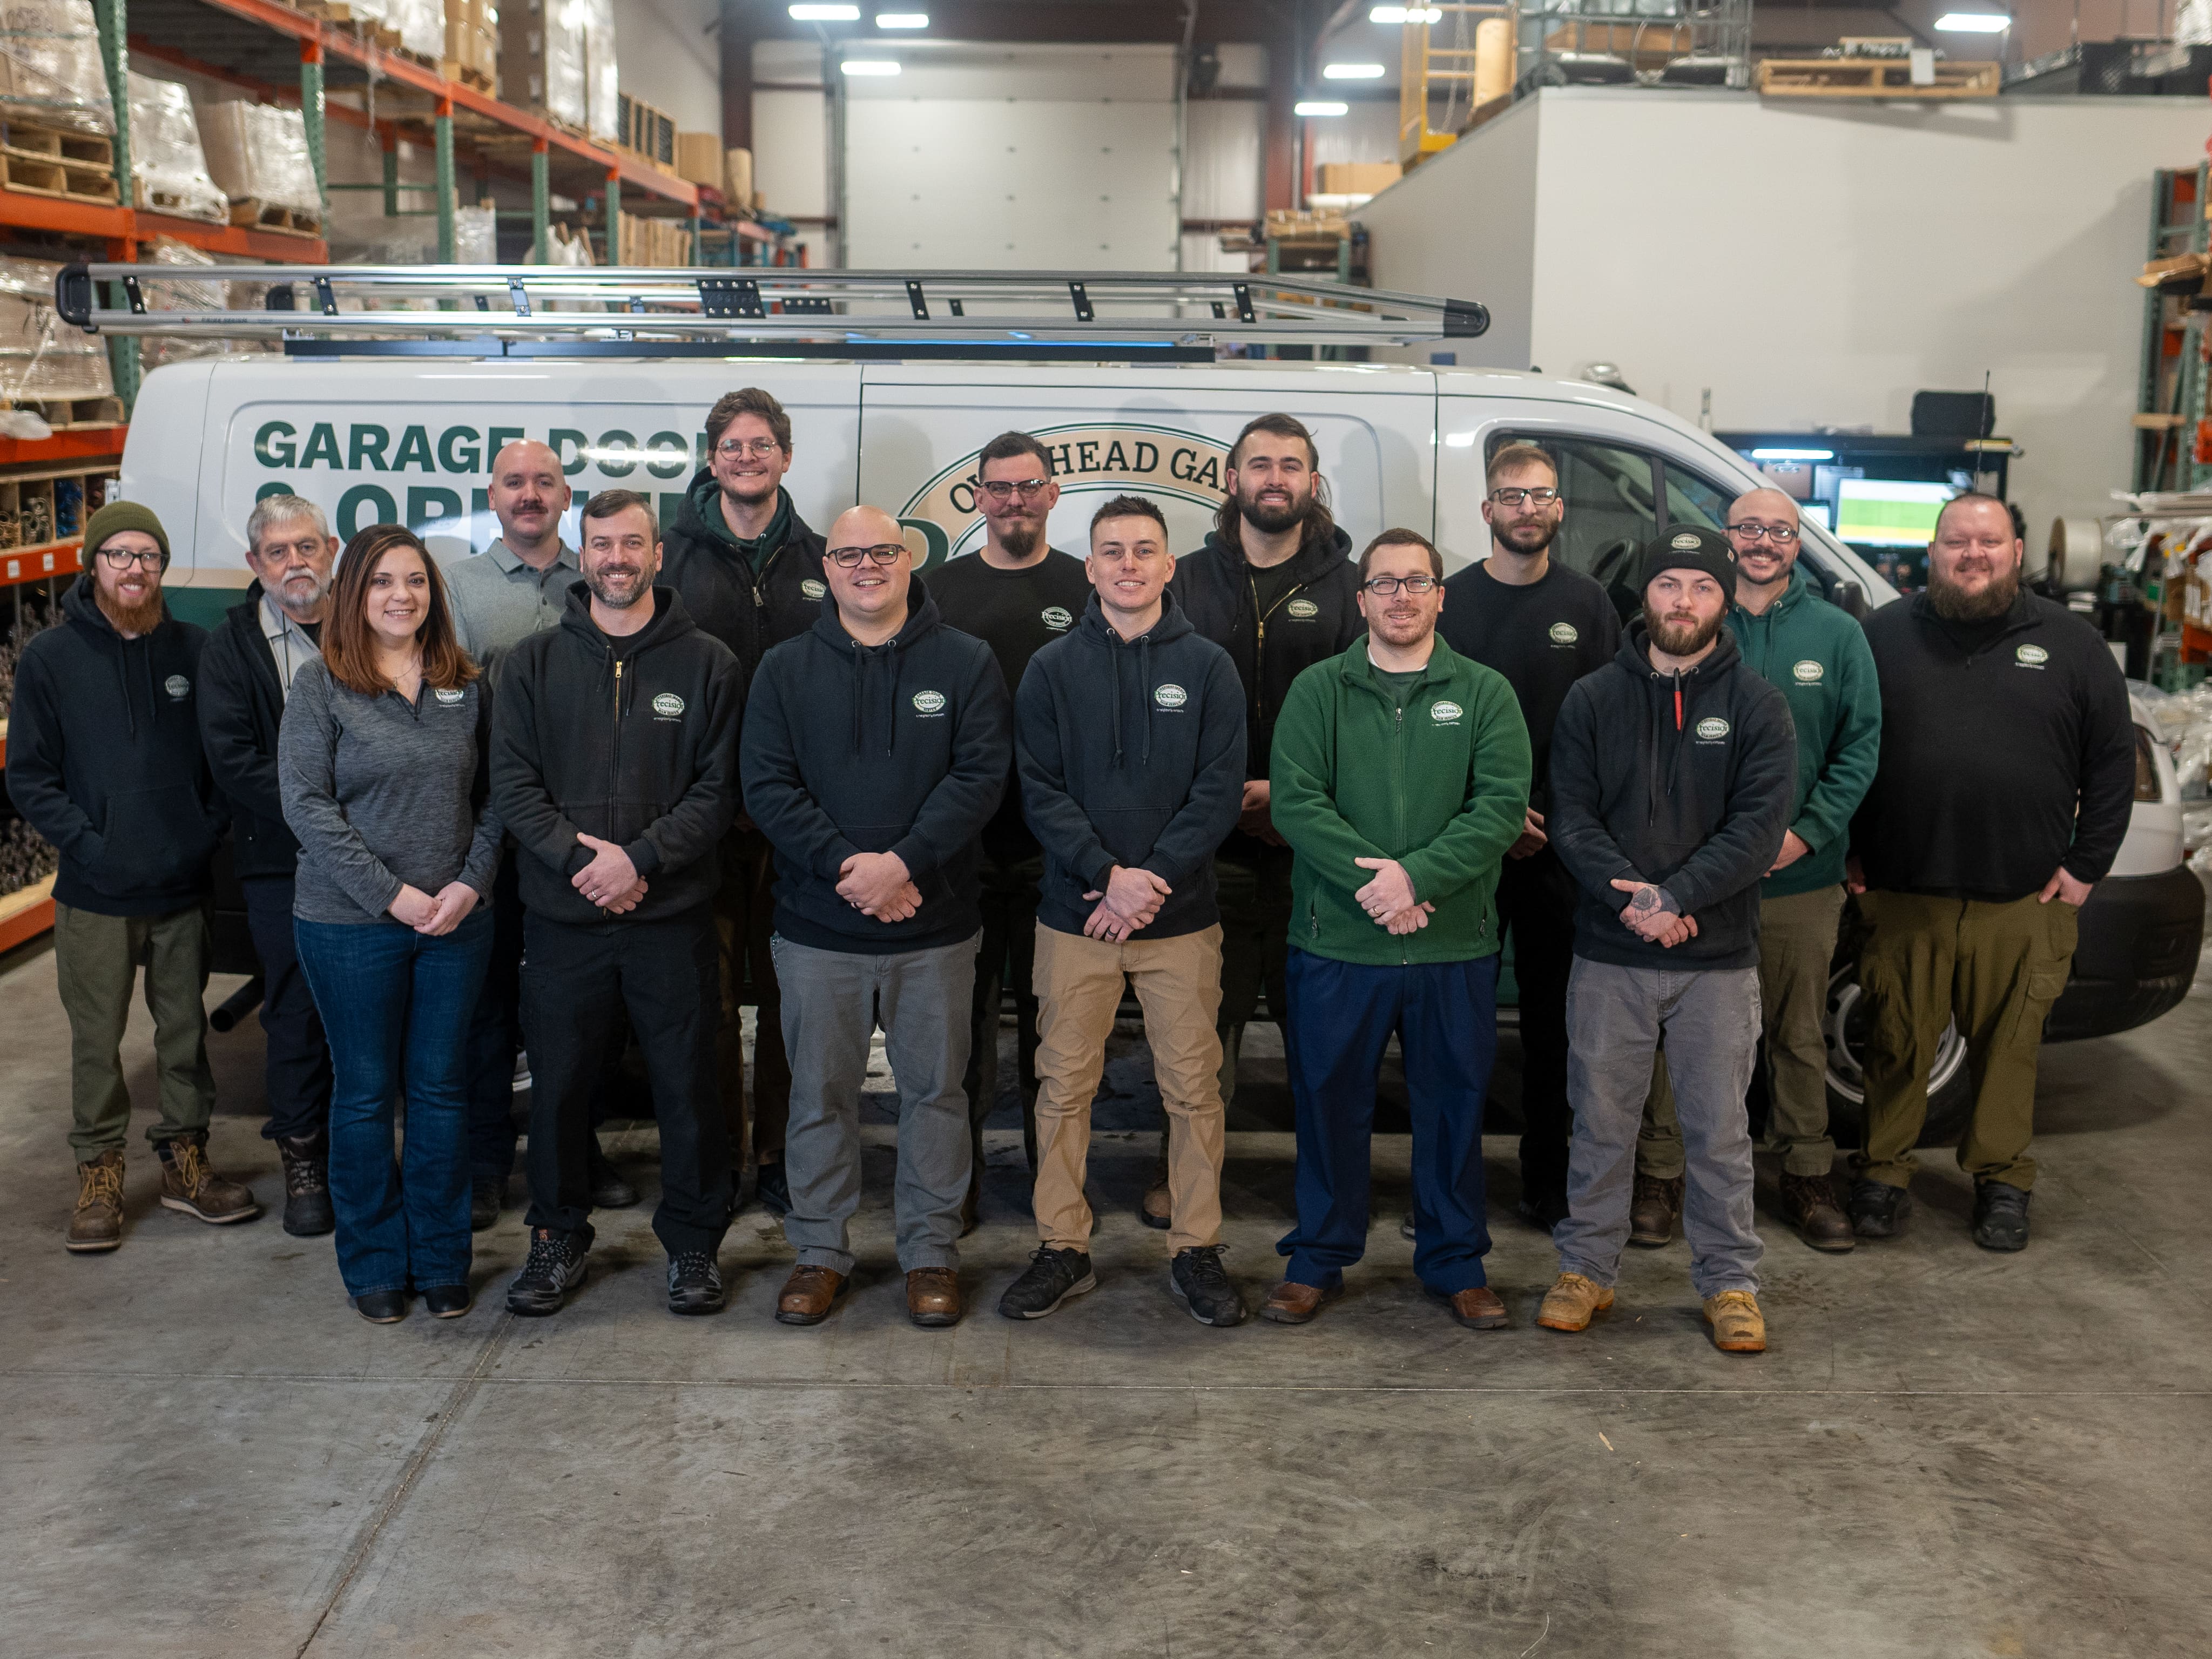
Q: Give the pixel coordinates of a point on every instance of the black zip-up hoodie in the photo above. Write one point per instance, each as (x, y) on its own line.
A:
(748, 609)
(1684, 780)
(904, 747)
(241, 709)
(1152, 780)
(1315, 617)
(631, 739)
(104, 760)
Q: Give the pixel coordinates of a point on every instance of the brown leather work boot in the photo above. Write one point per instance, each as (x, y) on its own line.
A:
(97, 1222)
(1292, 1303)
(1478, 1309)
(933, 1297)
(190, 1183)
(1158, 1208)
(1809, 1202)
(1653, 1210)
(810, 1294)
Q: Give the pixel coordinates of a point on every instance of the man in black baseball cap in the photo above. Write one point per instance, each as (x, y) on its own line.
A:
(1673, 770)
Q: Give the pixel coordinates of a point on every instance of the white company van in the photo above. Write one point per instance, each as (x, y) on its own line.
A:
(376, 440)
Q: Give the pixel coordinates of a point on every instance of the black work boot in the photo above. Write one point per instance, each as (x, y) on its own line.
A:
(608, 1191)
(307, 1160)
(2000, 1216)
(486, 1194)
(1878, 1209)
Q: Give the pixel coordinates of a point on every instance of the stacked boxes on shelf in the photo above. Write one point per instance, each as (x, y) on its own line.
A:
(258, 155)
(472, 45)
(656, 244)
(557, 58)
(169, 168)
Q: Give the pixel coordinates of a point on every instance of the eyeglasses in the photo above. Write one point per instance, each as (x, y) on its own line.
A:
(759, 449)
(1515, 497)
(1385, 586)
(1781, 535)
(122, 558)
(848, 558)
(1001, 492)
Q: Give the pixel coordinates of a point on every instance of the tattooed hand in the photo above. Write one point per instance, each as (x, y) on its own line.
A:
(1646, 915)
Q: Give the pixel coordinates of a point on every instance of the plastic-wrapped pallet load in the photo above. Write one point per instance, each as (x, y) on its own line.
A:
(166, 163)
(602, 93)
(185, 293)
(41, 357)
(258, 155)
(421, 24)
(541, 58)
(51, 73)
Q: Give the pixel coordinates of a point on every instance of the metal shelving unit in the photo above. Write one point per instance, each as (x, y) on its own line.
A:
(2173, 444)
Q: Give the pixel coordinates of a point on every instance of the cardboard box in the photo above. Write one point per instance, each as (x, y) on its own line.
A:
(699, 158)
(737, 178)
(1357, 178)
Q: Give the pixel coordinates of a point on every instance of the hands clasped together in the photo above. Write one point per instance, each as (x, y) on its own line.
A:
(878, 885)
(1388, 899)
(1648, 917)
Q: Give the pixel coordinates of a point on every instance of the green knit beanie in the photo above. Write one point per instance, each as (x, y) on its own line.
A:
(119, 516)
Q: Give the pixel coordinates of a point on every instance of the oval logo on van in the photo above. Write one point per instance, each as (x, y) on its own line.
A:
(178, 687)
(1444, 711)
(1806, 672)
(2030, 656)
(1056, 618)
(1712, 728)
(669, 704)
(929, 702)
(1304, 610)
(811, 589)
(451, 697)
(1564, 633)
(1170, 695)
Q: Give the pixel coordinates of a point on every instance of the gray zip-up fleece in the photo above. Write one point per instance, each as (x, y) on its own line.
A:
(383, 794)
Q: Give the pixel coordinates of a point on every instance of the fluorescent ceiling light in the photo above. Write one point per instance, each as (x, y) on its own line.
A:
(1352, 72)
(1406, 15)
(1793, 454)
(1973, 23)
(1319, 107)
(825, 13)
(869, 66)
(902, 20)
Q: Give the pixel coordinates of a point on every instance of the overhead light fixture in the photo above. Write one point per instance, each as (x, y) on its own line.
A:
(1406, 15)
(869, 66)
(1793, 454)
(825, 13)
(1973, 23)
(1319, 107)
(1352, 72)
(902, 20)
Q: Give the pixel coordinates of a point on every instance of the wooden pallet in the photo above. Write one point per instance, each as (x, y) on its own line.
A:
(65, 180)
(33, 143)
(71, 413)
(1872, 78)
(368, 28)
(453, 70)
(267, 216)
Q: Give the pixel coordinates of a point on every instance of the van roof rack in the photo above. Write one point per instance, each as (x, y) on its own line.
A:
(560, 311)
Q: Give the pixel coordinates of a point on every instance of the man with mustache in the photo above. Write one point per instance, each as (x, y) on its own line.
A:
(1017, 596)
(1275, 586)
(2006, 778)
(245, 675)
(104, 760)
(626, 703)
(1673, 770)
(1543, 625)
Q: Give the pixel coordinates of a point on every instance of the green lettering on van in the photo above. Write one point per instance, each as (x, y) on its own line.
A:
(426, 505)
(938, 546)
(383, 508)
(367, 443)
(1210, 474)
(664, 454)
(613, 444)
(414, 447)
(1086, 455)
(1148, 457)
(323, 446)
(1115, 460)
(469, 460)
(561, 434)
(498, 439)
(279, 455)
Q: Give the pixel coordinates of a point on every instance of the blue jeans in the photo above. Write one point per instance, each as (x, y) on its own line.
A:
(1341, 1016)
(396, 1006)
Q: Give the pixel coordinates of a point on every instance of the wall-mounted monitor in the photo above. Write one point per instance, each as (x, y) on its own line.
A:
(1888, 513)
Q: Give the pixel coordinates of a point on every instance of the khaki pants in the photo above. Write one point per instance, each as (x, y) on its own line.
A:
(1078, 986)
(745, 918)
(1996, 968)
(96, 962)
(1796, 948)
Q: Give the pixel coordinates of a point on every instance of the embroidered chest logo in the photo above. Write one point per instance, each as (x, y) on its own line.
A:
(1445, 713)
(1563, 633)
(449, 698)
(1711, 729)
(927, 703)
(2030, 656)
(1170, 695)
(1302, 610)
(178, 687)
(1056, 618)
(811, 589)
(1807, 672)
(668, 705)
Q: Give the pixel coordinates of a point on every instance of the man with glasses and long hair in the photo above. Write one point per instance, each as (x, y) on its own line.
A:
(1016, 595)
(1400, 778)
(875, 747)
(1816, 656)
(1543, 625)
(751, 573)
(104, 760)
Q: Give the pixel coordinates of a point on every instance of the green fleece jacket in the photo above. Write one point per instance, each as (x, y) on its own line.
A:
(1817, 656)
(1440, 784)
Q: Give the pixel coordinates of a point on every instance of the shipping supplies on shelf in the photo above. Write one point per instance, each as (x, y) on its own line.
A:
(167, 166)
(258, 155)
(41, 357)
(51, 71)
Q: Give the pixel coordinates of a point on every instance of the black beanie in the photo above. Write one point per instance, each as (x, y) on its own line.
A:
(1690, 547)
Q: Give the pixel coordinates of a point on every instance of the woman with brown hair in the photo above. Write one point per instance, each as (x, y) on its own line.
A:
(384, 763)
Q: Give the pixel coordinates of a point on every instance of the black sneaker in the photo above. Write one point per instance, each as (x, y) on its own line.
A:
(485, 1198)
(1051, 1278)
(1878, 1209)
(1199, 1283)
(772, 1189)
(555, 1268)
(608, 1190)
(694, 1287)
(2000, 1216)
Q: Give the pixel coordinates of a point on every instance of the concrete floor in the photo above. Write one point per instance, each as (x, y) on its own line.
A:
(204, 1452)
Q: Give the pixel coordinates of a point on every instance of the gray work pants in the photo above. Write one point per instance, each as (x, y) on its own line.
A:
(1615, 1018)
(833, 1001)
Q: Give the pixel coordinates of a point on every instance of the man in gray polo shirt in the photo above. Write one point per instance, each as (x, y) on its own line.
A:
(517, 586)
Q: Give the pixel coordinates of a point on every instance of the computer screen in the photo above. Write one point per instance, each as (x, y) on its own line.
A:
(1818, 513)
(1888, 513)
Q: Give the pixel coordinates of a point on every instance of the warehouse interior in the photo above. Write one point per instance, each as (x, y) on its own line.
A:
(1856, 262)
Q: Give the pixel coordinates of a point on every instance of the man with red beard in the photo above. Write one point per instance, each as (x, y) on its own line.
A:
(104, 760)
(2007, 777)
(1673, 772)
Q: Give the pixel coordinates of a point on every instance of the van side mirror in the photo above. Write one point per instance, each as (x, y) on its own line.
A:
(1851, 598)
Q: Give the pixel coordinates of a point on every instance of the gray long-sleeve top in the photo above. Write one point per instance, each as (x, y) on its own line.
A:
(383, 794)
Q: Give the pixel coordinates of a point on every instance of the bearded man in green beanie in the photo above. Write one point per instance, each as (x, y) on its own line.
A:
(104, 760)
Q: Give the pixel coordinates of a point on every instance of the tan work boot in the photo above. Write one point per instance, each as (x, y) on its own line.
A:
(1738, 1325)
(1572, 1302)
(1158, 1208)
(97, 1222)
(190, 1183)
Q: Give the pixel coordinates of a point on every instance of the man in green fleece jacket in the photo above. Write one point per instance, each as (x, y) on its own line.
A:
(1817, 656)
(1400, 777)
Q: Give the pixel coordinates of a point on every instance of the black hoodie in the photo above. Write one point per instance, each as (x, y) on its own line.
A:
(1152, 780)
(1313, 617)
(903, 747)
(1686, 781)
(748, 609)
(241, 709)
(104, 760)
(632, 739)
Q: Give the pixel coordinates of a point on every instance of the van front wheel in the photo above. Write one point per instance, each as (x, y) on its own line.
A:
(1950, 1087)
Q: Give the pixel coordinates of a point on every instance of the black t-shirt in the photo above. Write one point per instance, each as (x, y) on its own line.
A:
(1016, 613)
(1398, 684)
(1268, 584)
(1541, 637)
